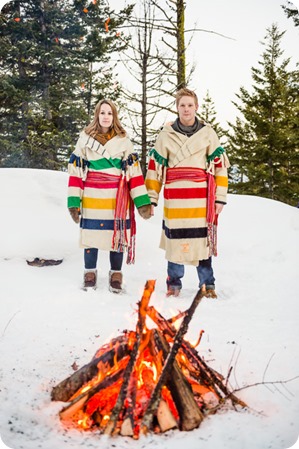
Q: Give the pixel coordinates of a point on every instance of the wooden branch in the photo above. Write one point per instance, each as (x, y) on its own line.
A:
(68, 387)
(181, 391)
(153, 403)
(142, 313)
(165, 418)
(208, 375)
(127, 427)
(78, 403)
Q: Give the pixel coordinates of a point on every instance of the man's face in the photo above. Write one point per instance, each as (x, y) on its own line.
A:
(187, 109)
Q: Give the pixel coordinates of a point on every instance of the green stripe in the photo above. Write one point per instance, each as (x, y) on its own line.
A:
(142, 200)
(102, 164)
(216, 153)
(73, 201)
(158, 158)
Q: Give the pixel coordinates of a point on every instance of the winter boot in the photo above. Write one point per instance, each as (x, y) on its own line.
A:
(115, 281)
(173, 291)
(90, 279)
(210, 292)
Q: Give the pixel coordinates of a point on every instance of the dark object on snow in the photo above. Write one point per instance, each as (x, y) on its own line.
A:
(37, 262)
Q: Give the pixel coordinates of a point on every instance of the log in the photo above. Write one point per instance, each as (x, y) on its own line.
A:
(68, 387)
(165, 418)
(142, 313)
(181, 391)
(152, 406)
(209, 376)
(68, 411)
(127, 427)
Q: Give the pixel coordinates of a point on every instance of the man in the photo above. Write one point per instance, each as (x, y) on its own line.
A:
(188, 159)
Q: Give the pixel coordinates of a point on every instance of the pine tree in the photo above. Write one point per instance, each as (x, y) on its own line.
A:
(52, 57)
(208, 113)
(264, 146)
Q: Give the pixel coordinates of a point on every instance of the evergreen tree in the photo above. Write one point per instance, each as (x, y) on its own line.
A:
(292, 12)
(208, 113)
(264, 146)
(52, 56)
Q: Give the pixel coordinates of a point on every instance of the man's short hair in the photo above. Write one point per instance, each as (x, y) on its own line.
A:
(184, 92)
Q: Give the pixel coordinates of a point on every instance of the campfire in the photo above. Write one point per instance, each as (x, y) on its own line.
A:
(145, 380)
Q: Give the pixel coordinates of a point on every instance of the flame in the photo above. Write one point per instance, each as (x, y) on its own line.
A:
(85, 422)
(196, 343)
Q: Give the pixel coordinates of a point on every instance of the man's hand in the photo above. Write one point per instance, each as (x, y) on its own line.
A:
(218, 208)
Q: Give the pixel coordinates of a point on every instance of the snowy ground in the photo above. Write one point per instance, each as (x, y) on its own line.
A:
(47, 322)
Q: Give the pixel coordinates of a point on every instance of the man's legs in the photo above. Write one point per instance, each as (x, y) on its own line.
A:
(206, 276)
(175, 273)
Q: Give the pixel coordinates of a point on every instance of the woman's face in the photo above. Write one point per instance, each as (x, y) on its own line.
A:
(105, 117)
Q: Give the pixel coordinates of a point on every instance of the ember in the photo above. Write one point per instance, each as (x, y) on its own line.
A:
(144, 380)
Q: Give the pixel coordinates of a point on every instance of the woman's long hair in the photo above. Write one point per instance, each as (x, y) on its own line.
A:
(94, 126)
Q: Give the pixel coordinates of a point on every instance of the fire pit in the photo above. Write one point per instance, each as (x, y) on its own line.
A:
(144, 380)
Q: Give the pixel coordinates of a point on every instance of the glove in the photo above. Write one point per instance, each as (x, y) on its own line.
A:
(145, 211)
(75, 214)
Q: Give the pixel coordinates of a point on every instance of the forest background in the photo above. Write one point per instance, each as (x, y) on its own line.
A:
(59, 57)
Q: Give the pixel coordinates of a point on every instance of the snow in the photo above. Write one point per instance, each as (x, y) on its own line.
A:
(47, 322)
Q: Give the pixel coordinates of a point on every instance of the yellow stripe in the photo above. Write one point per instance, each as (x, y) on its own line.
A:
(152, 184)
(198, 212)
(96, 203)
(221, 181)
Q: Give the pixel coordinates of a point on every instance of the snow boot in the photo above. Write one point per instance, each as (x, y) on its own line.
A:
(210, 292)
(173, 291)
(115, 281)
(90, 279)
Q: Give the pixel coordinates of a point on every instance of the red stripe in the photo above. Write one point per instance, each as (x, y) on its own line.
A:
(188, 193)
(137, 181)
(217, 162)
(74, 181)
(101, 184)
(151, 165)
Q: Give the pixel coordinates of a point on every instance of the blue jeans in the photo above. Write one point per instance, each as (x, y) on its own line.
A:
(204, 269)
(91, 257)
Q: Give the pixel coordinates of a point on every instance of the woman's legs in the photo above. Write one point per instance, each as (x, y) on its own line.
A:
(115, 274)
(90, 258)
(90, 264)
(116, 260)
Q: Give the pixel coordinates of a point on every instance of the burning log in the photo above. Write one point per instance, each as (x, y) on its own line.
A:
(68, 387)
(142, 312)
(209, 376)
(147, 379)
(169, 361)
(181, 391)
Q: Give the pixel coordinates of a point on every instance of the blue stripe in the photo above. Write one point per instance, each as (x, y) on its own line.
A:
(100, 225)
(185, 233)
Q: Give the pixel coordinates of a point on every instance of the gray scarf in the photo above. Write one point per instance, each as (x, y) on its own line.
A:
(187, 130)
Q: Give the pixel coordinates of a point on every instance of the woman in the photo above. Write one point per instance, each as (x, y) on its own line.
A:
(104, 185)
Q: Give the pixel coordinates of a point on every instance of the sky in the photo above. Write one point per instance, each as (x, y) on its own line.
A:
(47, 322)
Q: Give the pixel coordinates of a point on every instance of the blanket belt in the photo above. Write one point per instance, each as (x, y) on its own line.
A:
(200, 175)
(123, 201)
